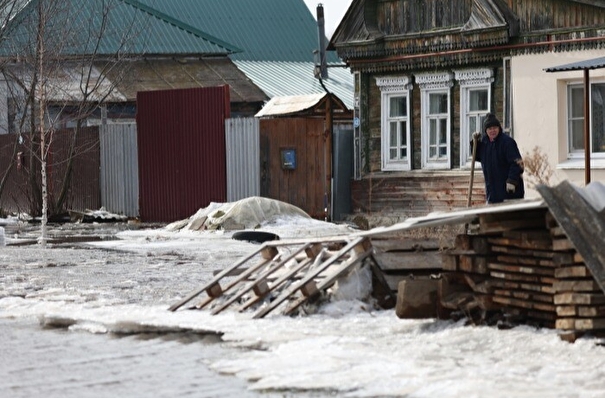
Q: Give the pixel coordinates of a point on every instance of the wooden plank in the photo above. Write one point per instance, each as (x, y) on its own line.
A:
(533, 314)
(474, 264)
(523, 244)
(528, 235)
(576, 271)
(399, 261)
(523, 278)
(544, 254)
(524, 295)
(524, 303)
(521, 269)
(449, 262)
(523, 286)
(499, 222)
(560, 245)
(579, 298)
(474, 243)
(382, 285)
(557, 232)
(405, 244)
(580, 311)
(580, 323)
(561, 259)
(525, 260)
(588, 285)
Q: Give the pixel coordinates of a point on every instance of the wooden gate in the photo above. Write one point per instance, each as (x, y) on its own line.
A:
(296, 163)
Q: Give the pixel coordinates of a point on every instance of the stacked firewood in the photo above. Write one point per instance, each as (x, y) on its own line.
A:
(521, 265)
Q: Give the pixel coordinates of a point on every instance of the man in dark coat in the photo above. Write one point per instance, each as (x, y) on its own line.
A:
(501, 162)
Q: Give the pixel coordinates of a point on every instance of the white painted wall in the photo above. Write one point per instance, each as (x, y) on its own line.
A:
(540, 111)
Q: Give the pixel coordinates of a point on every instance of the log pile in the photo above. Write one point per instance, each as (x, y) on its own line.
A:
(521, 265)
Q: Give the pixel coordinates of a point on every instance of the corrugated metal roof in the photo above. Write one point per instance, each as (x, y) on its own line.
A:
(291, 104)
(279, 79)
(266, 30)
(126, 26)
(277, 38)
(595, 63)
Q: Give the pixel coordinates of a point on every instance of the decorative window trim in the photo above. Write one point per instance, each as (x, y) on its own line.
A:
(474, 77)
(388, 84)
(429, 81)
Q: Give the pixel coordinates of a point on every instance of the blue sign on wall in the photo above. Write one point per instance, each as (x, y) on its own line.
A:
(288, 159)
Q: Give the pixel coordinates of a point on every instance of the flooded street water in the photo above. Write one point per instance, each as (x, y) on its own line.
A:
(56, 363)
(92, 320)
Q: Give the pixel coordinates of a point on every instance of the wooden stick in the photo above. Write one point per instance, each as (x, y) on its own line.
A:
(470, 185)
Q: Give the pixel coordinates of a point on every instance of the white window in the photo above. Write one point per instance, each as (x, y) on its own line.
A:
(475, 100)
(395, 122)
(575, 120)
(436, 119)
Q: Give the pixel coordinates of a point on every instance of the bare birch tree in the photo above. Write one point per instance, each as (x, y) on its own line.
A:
(64, 64)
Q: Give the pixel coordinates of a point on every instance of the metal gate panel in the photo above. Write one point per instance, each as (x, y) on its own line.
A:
(243, 158)
(119, 169)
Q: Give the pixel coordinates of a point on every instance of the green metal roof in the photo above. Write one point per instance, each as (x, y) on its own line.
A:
(266, 30)
(280, 79)
(128, 27)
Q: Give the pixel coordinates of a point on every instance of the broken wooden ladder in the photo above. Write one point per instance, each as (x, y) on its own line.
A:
(294, 271)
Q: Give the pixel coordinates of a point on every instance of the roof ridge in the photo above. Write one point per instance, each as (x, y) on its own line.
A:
(182, 25)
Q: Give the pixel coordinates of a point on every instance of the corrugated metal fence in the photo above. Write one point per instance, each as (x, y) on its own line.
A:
(181, 151)
(119, 178)
(243, 158)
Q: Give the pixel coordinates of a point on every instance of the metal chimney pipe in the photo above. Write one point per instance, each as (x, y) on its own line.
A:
(323, 63)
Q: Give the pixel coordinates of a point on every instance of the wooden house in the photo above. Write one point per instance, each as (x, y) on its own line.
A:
(427, 73)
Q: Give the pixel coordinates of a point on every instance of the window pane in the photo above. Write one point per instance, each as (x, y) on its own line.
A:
(393, 134)
(442, 132)
(598, 118)
(402, 135)
(432, 132)
(397, 107)
(404, 153)
(577, 135)
(478, 100)
(437, 103)
(577, 102)
(393, 154)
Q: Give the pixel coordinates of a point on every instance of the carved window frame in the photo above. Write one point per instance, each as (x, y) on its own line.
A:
(392, 87)
(430, 84)
(470, 80)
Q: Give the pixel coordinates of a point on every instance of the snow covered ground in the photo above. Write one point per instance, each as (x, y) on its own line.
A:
(91, 319)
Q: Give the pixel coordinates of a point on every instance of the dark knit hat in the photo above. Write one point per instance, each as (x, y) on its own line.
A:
(490, 121)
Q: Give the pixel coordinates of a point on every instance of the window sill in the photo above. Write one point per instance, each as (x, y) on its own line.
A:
(578, 164)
